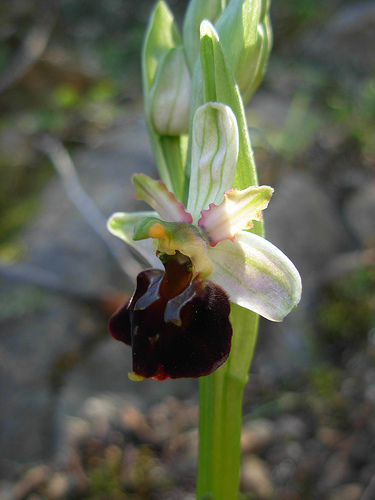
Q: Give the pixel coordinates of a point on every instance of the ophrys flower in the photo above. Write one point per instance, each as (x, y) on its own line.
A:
(178, 319)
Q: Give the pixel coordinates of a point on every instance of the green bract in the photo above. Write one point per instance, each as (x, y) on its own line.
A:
(245, 34)
(197, 11)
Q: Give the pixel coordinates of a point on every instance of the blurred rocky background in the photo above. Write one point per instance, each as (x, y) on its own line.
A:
(71, 134)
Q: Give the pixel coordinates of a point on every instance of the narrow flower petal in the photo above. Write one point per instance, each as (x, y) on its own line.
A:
(122, 225)
(156, 194)
(235, 212)
(256, 275)
(214, 156)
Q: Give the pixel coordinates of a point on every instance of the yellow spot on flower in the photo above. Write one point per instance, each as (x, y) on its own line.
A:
(135, 378)
(156, 231)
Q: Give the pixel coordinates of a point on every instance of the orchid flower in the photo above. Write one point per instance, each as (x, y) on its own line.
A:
(177, 321)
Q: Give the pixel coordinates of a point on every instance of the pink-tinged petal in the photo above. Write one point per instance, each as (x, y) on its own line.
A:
(235, 212)
(256, 275)
(122, 225)
(156, 194)
(214, 156)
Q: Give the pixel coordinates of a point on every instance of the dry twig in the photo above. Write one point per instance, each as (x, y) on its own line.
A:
(61, 160)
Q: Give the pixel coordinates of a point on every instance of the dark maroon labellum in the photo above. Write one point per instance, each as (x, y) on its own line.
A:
(177, 326)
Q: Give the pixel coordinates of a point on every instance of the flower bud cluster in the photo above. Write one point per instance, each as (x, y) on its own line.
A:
(170, 62)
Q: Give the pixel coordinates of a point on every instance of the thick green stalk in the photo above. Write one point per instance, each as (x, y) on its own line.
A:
(172, 154)
(220, 413)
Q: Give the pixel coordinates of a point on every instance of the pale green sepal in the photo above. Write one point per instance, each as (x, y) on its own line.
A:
(122, 225)
(171, 237)
(197, 11)
(241, 35)
(237, 211)
(214, 156)
(219, 84)
(160, 199)
(256, 275)
(161, 36)
(170, 95)
(257, 65)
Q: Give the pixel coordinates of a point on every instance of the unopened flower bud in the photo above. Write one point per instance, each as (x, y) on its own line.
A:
(197, 11)
(245, 32)
(170, 95)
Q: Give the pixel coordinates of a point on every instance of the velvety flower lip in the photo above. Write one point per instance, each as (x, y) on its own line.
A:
(177, 322)
(177, 326)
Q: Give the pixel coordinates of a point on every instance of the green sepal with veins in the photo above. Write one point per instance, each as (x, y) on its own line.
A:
(170, 95)
(219, 85)
(245, 34)
(170, 237)
(197, 11)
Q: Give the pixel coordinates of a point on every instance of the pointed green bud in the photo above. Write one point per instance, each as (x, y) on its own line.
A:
(170, 94)
(197, 11)
(161, 36)
(219, 84)
(245, 32)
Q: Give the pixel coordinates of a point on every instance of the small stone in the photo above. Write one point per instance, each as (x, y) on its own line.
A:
(291, 427)
(347, 492)
(336, 470)
(76, 430)
(255, 478)
(32, 480)
(133, 420)
(329, 437)
(58, 487)
(257, 435)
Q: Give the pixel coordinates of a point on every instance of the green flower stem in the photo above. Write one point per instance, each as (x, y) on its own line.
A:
(220, 412)
(172, 149)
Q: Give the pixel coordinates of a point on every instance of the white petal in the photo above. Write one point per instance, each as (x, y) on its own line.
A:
(256, 275)
(214, 156)
(236, 212)
(122, 225)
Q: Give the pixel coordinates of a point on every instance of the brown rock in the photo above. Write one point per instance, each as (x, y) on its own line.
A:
(347, 492)
(257, 435)
(255, 478)
(33, 479)
(58, 487)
